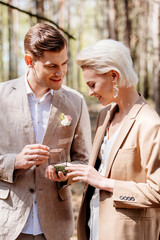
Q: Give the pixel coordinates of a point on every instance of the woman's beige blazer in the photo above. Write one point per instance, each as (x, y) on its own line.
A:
(132, 212)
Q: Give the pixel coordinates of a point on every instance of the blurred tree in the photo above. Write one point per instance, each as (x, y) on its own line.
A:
(79, 42)
(101, 19)
(13, 41)
(112, 12)
(134, 22)
(156, 53)
(40, 8)
(1, 45)
(69, 80)
(128, 7)
(141, 45)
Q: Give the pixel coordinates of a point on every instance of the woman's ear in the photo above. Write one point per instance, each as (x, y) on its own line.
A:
(114, 75)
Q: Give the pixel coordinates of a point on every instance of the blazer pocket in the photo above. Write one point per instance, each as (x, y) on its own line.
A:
(65, 134)
(132, 213)
(65, 131)
(65, 193)
(64, 141)
(126, 164)
(4, 192)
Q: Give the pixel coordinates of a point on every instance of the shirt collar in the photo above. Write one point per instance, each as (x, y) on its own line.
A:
(29, 90)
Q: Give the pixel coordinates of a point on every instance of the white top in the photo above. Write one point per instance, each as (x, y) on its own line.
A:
(40, 110)
(94, 203)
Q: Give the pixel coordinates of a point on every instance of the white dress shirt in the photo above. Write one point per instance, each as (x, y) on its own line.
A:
(93, 222)
(40, 110)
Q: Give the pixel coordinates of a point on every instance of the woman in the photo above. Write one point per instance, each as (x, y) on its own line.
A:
(122, 193)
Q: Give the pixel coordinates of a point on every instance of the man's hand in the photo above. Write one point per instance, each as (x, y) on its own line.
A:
(30, 155)
(52, 175)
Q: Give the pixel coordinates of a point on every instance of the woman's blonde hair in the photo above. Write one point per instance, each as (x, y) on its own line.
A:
(106, 55)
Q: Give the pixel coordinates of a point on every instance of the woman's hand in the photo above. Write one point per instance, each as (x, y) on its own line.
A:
(88, 174)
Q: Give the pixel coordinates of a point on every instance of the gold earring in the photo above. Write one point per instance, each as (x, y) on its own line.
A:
(115, 88)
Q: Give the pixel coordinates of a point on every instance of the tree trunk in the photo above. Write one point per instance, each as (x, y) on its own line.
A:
(79, 42)
(69, 75)
(111, 18)
(128, 24)
(1, 45)
(61, 13)
(13, 42)
(40, 8)
(156, 56)
(142, 49)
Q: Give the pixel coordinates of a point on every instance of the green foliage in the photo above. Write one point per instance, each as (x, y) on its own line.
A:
(89, 21)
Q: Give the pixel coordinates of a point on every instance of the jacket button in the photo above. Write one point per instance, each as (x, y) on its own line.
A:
(31, 190)
(132, 199)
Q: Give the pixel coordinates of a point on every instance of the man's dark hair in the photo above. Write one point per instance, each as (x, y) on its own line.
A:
(43, 37)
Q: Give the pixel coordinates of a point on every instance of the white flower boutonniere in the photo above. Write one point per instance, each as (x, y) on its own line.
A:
(65, 119)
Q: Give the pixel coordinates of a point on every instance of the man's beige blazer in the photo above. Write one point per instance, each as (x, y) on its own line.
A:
(132, 212)
(17, 187)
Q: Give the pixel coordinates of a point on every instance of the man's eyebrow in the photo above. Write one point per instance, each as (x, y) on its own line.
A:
(54, 64)
(66, 61)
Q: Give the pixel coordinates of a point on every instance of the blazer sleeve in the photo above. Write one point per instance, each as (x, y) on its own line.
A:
(7, 172)
(131, 194)
(7, 156)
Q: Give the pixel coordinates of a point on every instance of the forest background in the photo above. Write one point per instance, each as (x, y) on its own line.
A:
(83, 22)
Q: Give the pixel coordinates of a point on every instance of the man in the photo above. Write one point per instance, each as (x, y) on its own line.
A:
(35, 202)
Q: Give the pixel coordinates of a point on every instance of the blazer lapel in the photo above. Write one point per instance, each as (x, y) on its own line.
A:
(119, 140)
(57, 108)
(127, 125)
(100, 135)
(21, 102)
